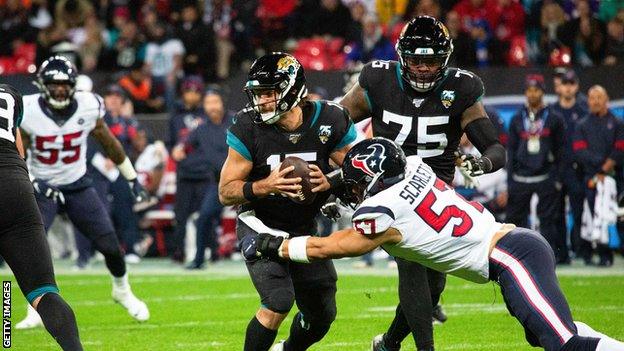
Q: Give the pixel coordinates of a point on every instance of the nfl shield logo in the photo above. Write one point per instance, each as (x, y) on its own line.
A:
(447, 97)
(324, 133)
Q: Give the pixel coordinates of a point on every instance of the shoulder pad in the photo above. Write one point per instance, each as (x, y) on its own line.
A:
(369, 219)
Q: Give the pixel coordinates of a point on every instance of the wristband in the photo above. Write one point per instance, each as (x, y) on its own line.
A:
(126, 169)
(248, 193)
(297, 249)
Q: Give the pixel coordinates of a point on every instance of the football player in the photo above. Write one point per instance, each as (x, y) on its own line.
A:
(55, 133)
(425, 107)
(23, 244)
(280, 122)
(403, 207)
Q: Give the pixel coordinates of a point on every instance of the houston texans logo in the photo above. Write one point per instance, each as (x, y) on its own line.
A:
(370, 163)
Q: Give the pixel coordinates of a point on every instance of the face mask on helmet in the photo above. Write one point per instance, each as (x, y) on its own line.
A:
(56, 80)
(275, 86)
(424, 49)
(423, 72)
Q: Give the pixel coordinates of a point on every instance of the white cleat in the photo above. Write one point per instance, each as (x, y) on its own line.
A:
(279, 346)
(136, 308)
(32, 320)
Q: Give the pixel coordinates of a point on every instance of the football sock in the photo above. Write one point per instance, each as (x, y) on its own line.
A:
(121, 282)
(58, 318)
(258, 337)
(303, 334)
(398, 331)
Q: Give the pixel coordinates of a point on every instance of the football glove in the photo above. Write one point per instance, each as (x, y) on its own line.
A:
(474, 166)
(331, 211)
(248, 248)
(269, 245)
(139, 193)
(49, 191)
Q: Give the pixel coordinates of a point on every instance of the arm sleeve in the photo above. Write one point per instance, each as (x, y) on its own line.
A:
(482, 133)
(240, 136)
(370, 220)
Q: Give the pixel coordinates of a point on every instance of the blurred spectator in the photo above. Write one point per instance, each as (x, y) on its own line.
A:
(373, 45)
(189, 114)
(138, 87)
(615, 42)
(92, 45)
(199, 43)
(243, 26)
(558, 75)
(120, 17)
(39, 15)
(586, 36)
(330, 18)
(125, 51)
(205, 152)
(275, 19)
(534, 155)
(608, 9)
(15, 28)
(126, 130)
(150, 166)
(358, 12)
(218, 14)
(570, 110)
(481, 34)
(552, 17)
(70, 14)
(390, 12)
(510, 25)
(463, 47)
(473, 12)
(427, 8)
(599, 148)
(163, 59)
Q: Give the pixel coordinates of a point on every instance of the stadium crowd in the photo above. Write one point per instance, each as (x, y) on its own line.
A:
(158, 51)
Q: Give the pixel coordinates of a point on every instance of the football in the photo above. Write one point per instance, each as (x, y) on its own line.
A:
(306, 196)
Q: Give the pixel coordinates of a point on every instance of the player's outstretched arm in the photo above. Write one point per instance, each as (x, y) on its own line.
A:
(343, 243)
(234, 189)
(355, 102)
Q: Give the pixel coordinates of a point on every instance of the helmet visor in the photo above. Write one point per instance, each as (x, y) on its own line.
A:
(422, 71)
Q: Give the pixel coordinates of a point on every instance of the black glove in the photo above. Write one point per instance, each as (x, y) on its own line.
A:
(248, 248)
(269, 245)
(49, 191)
(330, 210)
(475, 166)
(139, 193)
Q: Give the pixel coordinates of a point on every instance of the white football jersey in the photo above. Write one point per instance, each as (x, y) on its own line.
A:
(440, 229)
(57, 153)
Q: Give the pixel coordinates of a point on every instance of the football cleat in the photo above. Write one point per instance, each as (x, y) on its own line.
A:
(379, 344)
(32, 320)
(438, 315)
(279, 346)
(135, 307)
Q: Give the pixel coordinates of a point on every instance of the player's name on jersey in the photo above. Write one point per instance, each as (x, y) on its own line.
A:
(421, 177)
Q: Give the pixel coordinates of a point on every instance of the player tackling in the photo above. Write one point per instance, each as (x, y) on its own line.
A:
(404, 208)
(55, 134)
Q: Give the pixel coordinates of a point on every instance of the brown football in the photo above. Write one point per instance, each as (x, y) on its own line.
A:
(306, 196)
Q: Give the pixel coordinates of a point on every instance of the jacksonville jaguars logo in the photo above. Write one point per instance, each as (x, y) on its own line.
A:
(447, 97)
(371, 163)
(324, 133)
(288, 64)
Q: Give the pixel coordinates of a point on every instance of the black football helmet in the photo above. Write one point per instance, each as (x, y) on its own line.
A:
(371, 166)
(56, 79)
(276, 72)
(424, 40)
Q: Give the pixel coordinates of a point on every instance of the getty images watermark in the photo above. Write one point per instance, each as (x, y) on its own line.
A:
(6, 314)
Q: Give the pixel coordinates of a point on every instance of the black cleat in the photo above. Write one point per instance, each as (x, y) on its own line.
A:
(438, 315)
(379, 344)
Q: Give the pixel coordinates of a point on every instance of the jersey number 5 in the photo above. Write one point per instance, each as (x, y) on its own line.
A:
(439, 221)
(40, 144)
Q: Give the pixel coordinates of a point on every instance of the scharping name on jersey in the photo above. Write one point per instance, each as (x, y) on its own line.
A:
(58, 152)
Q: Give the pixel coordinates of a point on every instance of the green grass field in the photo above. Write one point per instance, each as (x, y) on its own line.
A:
(209, 310)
